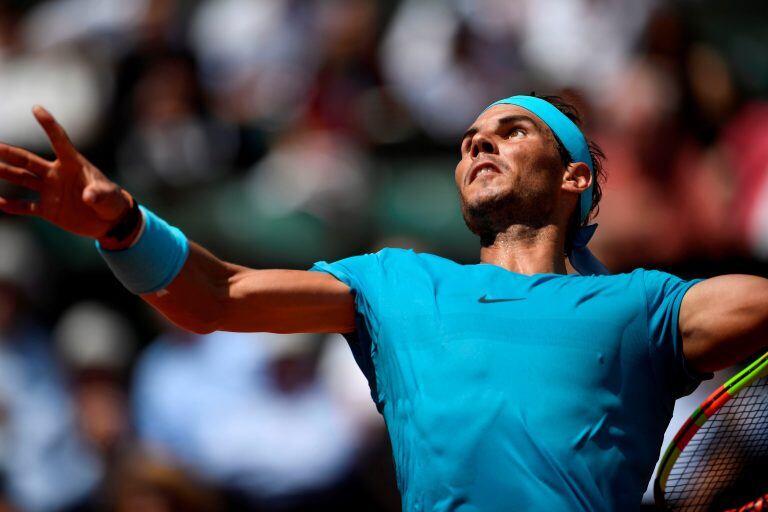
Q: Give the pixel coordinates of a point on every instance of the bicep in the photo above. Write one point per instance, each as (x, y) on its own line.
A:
(724, 320)
(287, 301)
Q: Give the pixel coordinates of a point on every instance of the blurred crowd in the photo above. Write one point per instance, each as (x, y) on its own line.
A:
(281, 132)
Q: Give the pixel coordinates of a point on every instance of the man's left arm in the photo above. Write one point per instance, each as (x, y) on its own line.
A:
(724, 320)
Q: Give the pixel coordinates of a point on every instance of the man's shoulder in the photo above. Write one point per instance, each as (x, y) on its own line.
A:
(651, 278)
(655, 288)
(638, 275)
(385, 261)
(403, 255)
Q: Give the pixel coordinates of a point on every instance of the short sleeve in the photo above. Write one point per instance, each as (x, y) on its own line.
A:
(663, 295)
(364, 276)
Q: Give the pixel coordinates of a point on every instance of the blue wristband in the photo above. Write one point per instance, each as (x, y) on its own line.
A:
(153, 261)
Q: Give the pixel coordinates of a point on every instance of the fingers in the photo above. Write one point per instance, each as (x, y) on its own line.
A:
(21, 177)
(24, 159)
(56, 134)
(19, 206)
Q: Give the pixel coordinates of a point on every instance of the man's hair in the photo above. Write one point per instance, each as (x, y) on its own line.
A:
(597, 156)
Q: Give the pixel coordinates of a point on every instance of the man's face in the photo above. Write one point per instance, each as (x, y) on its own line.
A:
(510, 171)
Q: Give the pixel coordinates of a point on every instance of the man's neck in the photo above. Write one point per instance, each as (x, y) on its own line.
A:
(527, 250)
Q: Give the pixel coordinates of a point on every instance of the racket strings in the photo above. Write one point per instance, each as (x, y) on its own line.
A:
(725, 463)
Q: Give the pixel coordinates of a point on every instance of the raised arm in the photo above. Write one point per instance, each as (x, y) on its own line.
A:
(207, 294)
(724, 320)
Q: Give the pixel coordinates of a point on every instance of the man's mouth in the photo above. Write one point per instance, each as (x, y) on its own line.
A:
(482, 169)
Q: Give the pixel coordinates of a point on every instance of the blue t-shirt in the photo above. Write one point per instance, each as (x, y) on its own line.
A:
(503, 391)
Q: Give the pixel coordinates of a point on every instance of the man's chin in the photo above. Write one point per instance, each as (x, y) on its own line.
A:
(478, 197)
(485, 215)
(488, 200)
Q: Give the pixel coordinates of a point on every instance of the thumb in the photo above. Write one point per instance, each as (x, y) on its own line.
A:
(106, 199)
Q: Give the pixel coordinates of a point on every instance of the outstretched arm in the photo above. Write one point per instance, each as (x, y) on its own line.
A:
(208, 294)
(724, 320)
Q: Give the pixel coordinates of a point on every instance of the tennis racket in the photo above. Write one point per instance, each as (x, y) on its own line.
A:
(718, 460)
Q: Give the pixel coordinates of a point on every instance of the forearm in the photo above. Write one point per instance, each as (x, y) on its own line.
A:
(182, 280)
(197, 297)
(155, 260)
(201, 293)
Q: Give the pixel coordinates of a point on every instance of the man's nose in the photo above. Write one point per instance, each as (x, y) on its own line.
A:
(483, 144)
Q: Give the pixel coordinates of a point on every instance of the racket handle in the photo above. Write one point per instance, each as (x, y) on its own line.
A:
(758, 505)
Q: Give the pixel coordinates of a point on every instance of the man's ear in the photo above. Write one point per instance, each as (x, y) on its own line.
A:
(577, 177)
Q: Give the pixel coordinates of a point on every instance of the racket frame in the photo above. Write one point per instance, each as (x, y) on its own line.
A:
(713, 403)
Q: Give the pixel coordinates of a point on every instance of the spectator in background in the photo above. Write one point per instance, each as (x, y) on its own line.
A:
(462, 53)
(96, 346)
(251, 413)
(70, 82)
(45, 464)
(146, 484)
(736, 127)
(586, 54)
(686, 153)
(347, 93)
(319, 172)
(257, 70)
(433, 57)
(745, 141)
(641, 139)
(108, 26)
(171, 143)
(346, 35)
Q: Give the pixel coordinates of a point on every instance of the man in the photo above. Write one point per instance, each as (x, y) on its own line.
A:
(506, 384)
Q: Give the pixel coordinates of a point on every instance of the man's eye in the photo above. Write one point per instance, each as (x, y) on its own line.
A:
(516, 132)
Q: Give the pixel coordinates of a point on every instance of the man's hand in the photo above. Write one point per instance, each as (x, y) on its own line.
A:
(73, 194)
(208, 293)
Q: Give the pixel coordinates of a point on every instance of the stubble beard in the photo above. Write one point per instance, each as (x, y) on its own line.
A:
(490, 216)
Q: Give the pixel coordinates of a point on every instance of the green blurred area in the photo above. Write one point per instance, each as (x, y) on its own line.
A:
(738, 30)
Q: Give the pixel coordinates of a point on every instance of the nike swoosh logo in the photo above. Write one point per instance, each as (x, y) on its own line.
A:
(485, 300)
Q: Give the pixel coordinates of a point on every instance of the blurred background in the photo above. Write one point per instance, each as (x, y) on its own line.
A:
(282, 132)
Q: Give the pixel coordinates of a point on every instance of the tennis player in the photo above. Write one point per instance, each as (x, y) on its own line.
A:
(506, 384)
